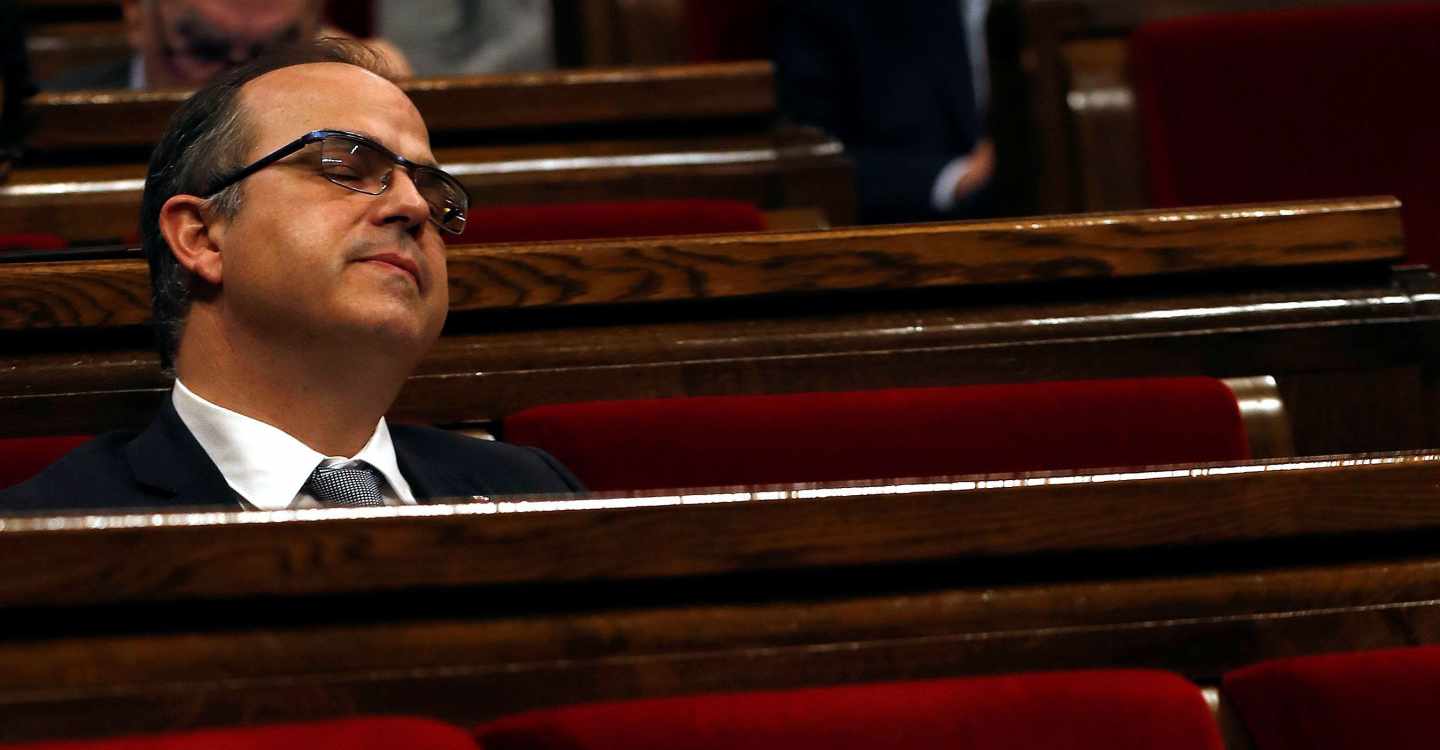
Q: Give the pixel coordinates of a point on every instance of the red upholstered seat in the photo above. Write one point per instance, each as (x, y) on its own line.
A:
(1294, 104)
(22, 458)
(1369, 699)
(367, 733)
(730, 30)
(582, 221)
(1103, 710)
(912, 432)
(38, 241)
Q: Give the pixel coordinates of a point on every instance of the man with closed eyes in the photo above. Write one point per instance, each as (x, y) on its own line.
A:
(292, 220)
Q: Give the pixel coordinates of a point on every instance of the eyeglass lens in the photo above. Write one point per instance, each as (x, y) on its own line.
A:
(359, 167)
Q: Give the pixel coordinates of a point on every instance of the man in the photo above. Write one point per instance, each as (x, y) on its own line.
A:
(904, 85)
(292, 221)
(185, 43)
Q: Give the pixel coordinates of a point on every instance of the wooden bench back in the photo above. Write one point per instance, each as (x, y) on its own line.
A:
(146, 622)
(1065, 298)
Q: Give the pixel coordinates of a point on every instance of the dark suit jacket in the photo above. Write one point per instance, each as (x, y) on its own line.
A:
(891, 79)
(164, 466)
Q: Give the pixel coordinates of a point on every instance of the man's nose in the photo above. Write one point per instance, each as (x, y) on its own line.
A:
(402, 201)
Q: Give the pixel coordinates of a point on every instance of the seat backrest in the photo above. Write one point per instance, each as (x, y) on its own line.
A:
(732, 30)
(22, 458)
(1385, 698)
(601, 220)
(32, 241)
(1109, 710)
(365, 733)
(1293, 104)
(909, 432)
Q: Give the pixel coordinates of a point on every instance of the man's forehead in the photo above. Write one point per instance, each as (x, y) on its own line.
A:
(283, 104)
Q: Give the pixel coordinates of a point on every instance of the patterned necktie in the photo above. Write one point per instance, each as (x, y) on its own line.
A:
(349, 484)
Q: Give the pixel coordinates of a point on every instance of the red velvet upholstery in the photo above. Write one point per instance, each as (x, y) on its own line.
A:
(377, 733)
(1370, 699)
(691, 442)
(583, 221)
(1295, 104)
(1113, 710)
(729, 30)
(36, 241)
(22, 458)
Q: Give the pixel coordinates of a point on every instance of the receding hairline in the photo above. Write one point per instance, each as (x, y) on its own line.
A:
(246, 94)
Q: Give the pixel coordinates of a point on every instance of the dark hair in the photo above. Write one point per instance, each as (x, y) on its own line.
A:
(207, 138)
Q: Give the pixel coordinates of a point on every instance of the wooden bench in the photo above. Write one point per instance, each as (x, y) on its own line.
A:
(1301, 292)
(466, 612)
(597, 134)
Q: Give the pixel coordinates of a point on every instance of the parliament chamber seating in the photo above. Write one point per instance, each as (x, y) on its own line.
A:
(1099, 710)
(1335, 701)
(469, 613)
(1300, 292)
(882, 434)
(678, 132)
(1290, 105)
(707, 610)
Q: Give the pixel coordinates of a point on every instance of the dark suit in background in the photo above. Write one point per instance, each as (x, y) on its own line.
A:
(164, 466)
(892, 80)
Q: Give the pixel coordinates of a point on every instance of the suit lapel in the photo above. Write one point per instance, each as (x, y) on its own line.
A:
(430, 480)
(168, 461)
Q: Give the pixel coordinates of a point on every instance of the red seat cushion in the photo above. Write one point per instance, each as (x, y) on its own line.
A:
(379, 733)
(1295, 104)
(912, 432)
(1112, 710)
(37, 241)
(1370, 699)
(582, 221)
(732, 30)
(22, 458)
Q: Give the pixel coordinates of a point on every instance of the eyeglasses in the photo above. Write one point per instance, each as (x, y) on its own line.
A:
(357, 163)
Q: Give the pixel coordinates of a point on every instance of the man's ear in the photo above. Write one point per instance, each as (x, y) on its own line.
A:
(192, 237)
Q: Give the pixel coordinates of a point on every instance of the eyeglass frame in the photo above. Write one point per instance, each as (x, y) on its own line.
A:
(315, 136)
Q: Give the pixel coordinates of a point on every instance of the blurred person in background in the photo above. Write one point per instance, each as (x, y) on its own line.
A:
(185, 43)
(904, 84)
(449, 37)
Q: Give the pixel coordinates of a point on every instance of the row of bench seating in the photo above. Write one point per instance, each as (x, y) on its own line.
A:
(144, 622)
(1331, 702)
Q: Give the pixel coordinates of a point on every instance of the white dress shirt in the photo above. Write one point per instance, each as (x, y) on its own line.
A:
(267, 466)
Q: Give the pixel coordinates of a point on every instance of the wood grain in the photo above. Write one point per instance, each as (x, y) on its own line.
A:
(1349, 357)
(785, 167)
(170, 556)
(108, 293)
(471, 654)
(65, 120)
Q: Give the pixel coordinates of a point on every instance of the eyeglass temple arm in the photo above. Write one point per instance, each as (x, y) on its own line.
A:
(274, 156)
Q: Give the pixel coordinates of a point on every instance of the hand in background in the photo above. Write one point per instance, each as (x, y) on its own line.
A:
(982, 168)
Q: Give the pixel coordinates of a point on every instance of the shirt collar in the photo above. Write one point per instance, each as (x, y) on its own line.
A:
(265, 464)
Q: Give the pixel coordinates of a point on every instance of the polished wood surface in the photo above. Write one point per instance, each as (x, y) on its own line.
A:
(1351, 346)
(460, 614)
(1350, 359)
(776, 169)
(143, 557)
(116, 293)
(671, 93)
